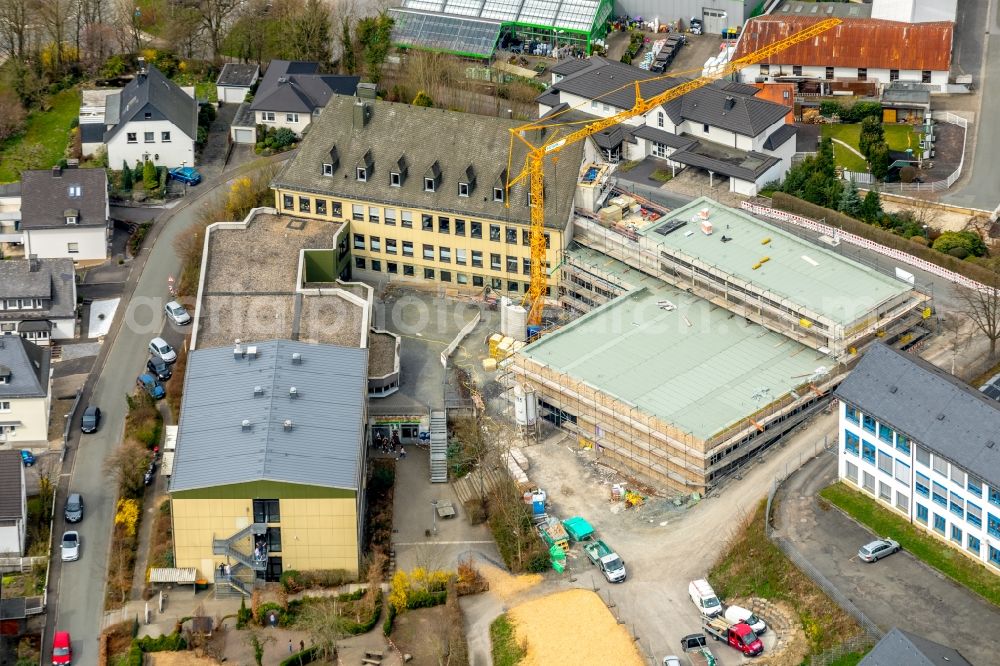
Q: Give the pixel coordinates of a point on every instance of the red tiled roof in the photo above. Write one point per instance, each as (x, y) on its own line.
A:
(870, 43)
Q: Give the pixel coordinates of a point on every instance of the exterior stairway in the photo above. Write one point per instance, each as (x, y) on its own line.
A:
(238, 550)
(439, 446)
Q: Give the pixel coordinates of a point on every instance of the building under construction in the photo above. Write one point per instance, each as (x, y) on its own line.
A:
(684, 363)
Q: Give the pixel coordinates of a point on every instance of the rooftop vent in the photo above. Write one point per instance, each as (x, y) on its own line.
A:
(252, 352)
(940, 417)
(246, 425)
(293, 392)
(297, 358)
(258, 391)
(990, 444)
(238, 352)
(893, 389)
(288, 425)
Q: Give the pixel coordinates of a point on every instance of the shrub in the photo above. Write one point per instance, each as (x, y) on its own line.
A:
(206, 114)
(243, 615)
(295, 581)
(149, 179)
(270, 607)
(165, 643)
(307, 656)
(422, 99)
(135, 654)
(390, 617)
(202, 135)
(965, 242)
(283, 137)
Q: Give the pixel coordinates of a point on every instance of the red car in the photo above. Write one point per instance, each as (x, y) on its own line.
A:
(62, 650)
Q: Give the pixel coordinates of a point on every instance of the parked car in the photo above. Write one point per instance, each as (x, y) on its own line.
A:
(704, 598)
(671, 660)
(159, 368)
(91, 419)
(159, 347)
(62, 649)
(739, 614)
(177, 314)
(27, 457)
(70, 546)
(187, 175)
(876, 550)
(74, 508)
(695, 646)
(150, 385)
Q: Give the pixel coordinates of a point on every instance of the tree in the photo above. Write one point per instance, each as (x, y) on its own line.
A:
(374, 33)
(960, 244)
(879, 160)
(56, 17)
(324, 626)
(422, 99)
(149, 178)
(311, 34)
(127, 180)
(215, 16)
(348, 57)
(257, 643)
(872, 134)
(15, 15)
(12, 115)
(871, 207)
(127, 466)
(982, 306)
(850, 200)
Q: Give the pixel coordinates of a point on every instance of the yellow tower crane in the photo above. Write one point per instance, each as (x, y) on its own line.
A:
(534, 161)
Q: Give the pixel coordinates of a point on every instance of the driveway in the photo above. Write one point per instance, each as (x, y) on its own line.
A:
(899, 591)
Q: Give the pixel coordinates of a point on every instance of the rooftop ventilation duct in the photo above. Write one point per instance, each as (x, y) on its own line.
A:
(297, 358)
(288, 425)
(238, 352)
(251, 352)
(293, 392)
(246, 425)
(258, 391)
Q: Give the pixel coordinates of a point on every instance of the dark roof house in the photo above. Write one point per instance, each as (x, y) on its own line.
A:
(24, 366)
(237, 75)
(11, 491)
(901, 648)
(735, 110)
(53, 195)
(292, 86)
(153, 93)
(49, 280)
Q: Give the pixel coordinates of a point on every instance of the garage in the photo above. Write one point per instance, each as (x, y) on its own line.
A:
(243, 135)
(233, 95)
(715, 21)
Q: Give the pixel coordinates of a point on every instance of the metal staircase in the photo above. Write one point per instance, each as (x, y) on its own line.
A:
(439, 446)
(239, 549)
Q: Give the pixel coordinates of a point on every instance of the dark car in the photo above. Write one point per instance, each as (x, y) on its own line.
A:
(187, 175)
(74, 508)
(158, 367)
(151, 385)
(91, 419)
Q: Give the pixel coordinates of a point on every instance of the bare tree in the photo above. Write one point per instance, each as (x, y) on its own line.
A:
(127, 26)
(216, 18)
(982, 306)
(56, 17)
(15, 16)
(324, 626)
(127, 466)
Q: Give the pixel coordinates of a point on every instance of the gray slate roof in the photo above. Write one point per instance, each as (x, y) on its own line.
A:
(10, 190)
(668, 139)
(323, 447)
(570, 66)
(901, 648)
(155, 93)
(11, 499)
(296, 87)
(425, 136)
(47, 197)
(53, 280)
(237, 75)
(780, 136)
(244, 117)
(923, 394)
(611, 82)
(713, 105)
(92, 132)
(749, 166)
(28, 366)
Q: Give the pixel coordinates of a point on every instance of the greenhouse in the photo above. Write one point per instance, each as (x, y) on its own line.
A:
(476, 28)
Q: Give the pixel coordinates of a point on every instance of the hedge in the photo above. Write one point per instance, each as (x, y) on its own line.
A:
(389, 619)
(832, 218)
(307, 656)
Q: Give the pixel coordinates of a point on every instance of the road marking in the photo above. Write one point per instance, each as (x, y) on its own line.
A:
(439, 543)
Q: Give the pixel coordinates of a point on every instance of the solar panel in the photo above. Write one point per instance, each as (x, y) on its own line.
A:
(441, 32)
(992, 390)
(670, 227)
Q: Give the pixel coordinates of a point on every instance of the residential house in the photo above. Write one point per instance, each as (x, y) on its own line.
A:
(13, 505)
(724, 128)
(292, 94)
(858, 50)
(425, 193)
(269, 467)
(901, 648)
(11, 239)
(24, 393)
(235, 81)
(152, 118)
(66, 213)
(38, 299)
(924, 444)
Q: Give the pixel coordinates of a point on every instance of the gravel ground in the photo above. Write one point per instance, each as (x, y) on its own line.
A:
(330, 320)
(381, 354)
(226, 318)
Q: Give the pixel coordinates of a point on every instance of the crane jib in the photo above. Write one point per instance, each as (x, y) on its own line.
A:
(556, 145)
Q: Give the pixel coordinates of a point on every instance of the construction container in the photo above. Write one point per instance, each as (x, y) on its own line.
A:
(489, 364)
(578, 528)
(610, 214)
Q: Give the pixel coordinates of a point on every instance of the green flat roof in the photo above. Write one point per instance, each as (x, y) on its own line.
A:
(811, 276)
(697, 366)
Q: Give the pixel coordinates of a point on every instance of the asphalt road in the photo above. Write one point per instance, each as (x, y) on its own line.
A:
(899, 591)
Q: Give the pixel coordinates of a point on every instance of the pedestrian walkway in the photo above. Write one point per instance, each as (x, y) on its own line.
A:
(155, 495)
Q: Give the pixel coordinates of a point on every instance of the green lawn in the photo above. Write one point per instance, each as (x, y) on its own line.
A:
(45, 138)
(899, 137)
(963, 570)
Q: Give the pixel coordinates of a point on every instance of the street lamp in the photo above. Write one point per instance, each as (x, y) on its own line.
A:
(434, 517)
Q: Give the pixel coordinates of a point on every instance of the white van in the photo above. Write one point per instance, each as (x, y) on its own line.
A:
(704, 598)
(739, 614)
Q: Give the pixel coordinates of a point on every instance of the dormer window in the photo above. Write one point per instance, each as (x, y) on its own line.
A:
(398, 174)
(498, 194)
(467, 183)
(71, 215)
(333, 159)
(327, 169)
(500, 187)
(432, 178)
(362, 174)
(364, 166)
(74, 191)
(148, 115)
(394, 180)
(463, 189)
(429, 184)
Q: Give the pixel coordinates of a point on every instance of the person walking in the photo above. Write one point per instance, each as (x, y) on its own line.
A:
(229, 572)
(402, 452)
(290, 648)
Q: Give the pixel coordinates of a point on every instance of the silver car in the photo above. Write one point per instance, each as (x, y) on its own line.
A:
(70, 546)
(74, 508)
(177, 314)
(159, 347)
(876, 550)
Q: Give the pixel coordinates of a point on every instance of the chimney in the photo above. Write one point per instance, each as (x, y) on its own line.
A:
(730, 102)
(142, 67)
(362, 112)
(32, 263)
(57, 171)
(366, 90)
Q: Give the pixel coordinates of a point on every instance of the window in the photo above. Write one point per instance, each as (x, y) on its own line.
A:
(327, 169)
(922, 513)
(288, 202)
(390, 217)
(862, 73)
(268, 116)
(149, 137)
(940, 465)
(358, 212)
(428, 273)
(359, 262)
(925, 76)
(903, 443)
(429, 252)
(851, 414)
(426, 222)
(375, 243)
(973, 545)
(884, 462)
(902, 502)
(391, 267)
(73, 248)
(894, 75)
(266, 511)
(4, 405)
(165, 137)
(974, 486)
(765, 70)
(868, 482)
(939, 524)
(994, 495)
(923, 457)
(511, 286)
(660, 119)
(444, 225)
(406, 219)
(704, 128)
(495, 233)
(459, 227)
(461, 255)
(428, 184)
(463, 189)
(957, 505)
(462, 278)
(291, 117)
(373, 214)
(958, 476)
(390, 246)
(444, 255)
(547, 239)
(496, 283)
(956, 534)
(362, 174)
(130, 137)
(885, 433)
(359, 241)
(376, 265)
(274, 539)
(477, 230)
(903, 473)
(408, 270)
(305, 204)
(477, 280)
(829, 73)
(884, 491)
(337, 211)
(526, 265)
(852, 443)
(394, 179)
(321, 206)
(511, 236)
(973, 514)
(498, 194)
(511, 264)
(445, 276)
(851, 472)
(940, 494)
(868, 451)
(495, 262)
(993, 525)
(71, 219)
(525, 237)
(407, 249)
(477, 259)
(148, 115)
(923, 485)
(868, 423)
